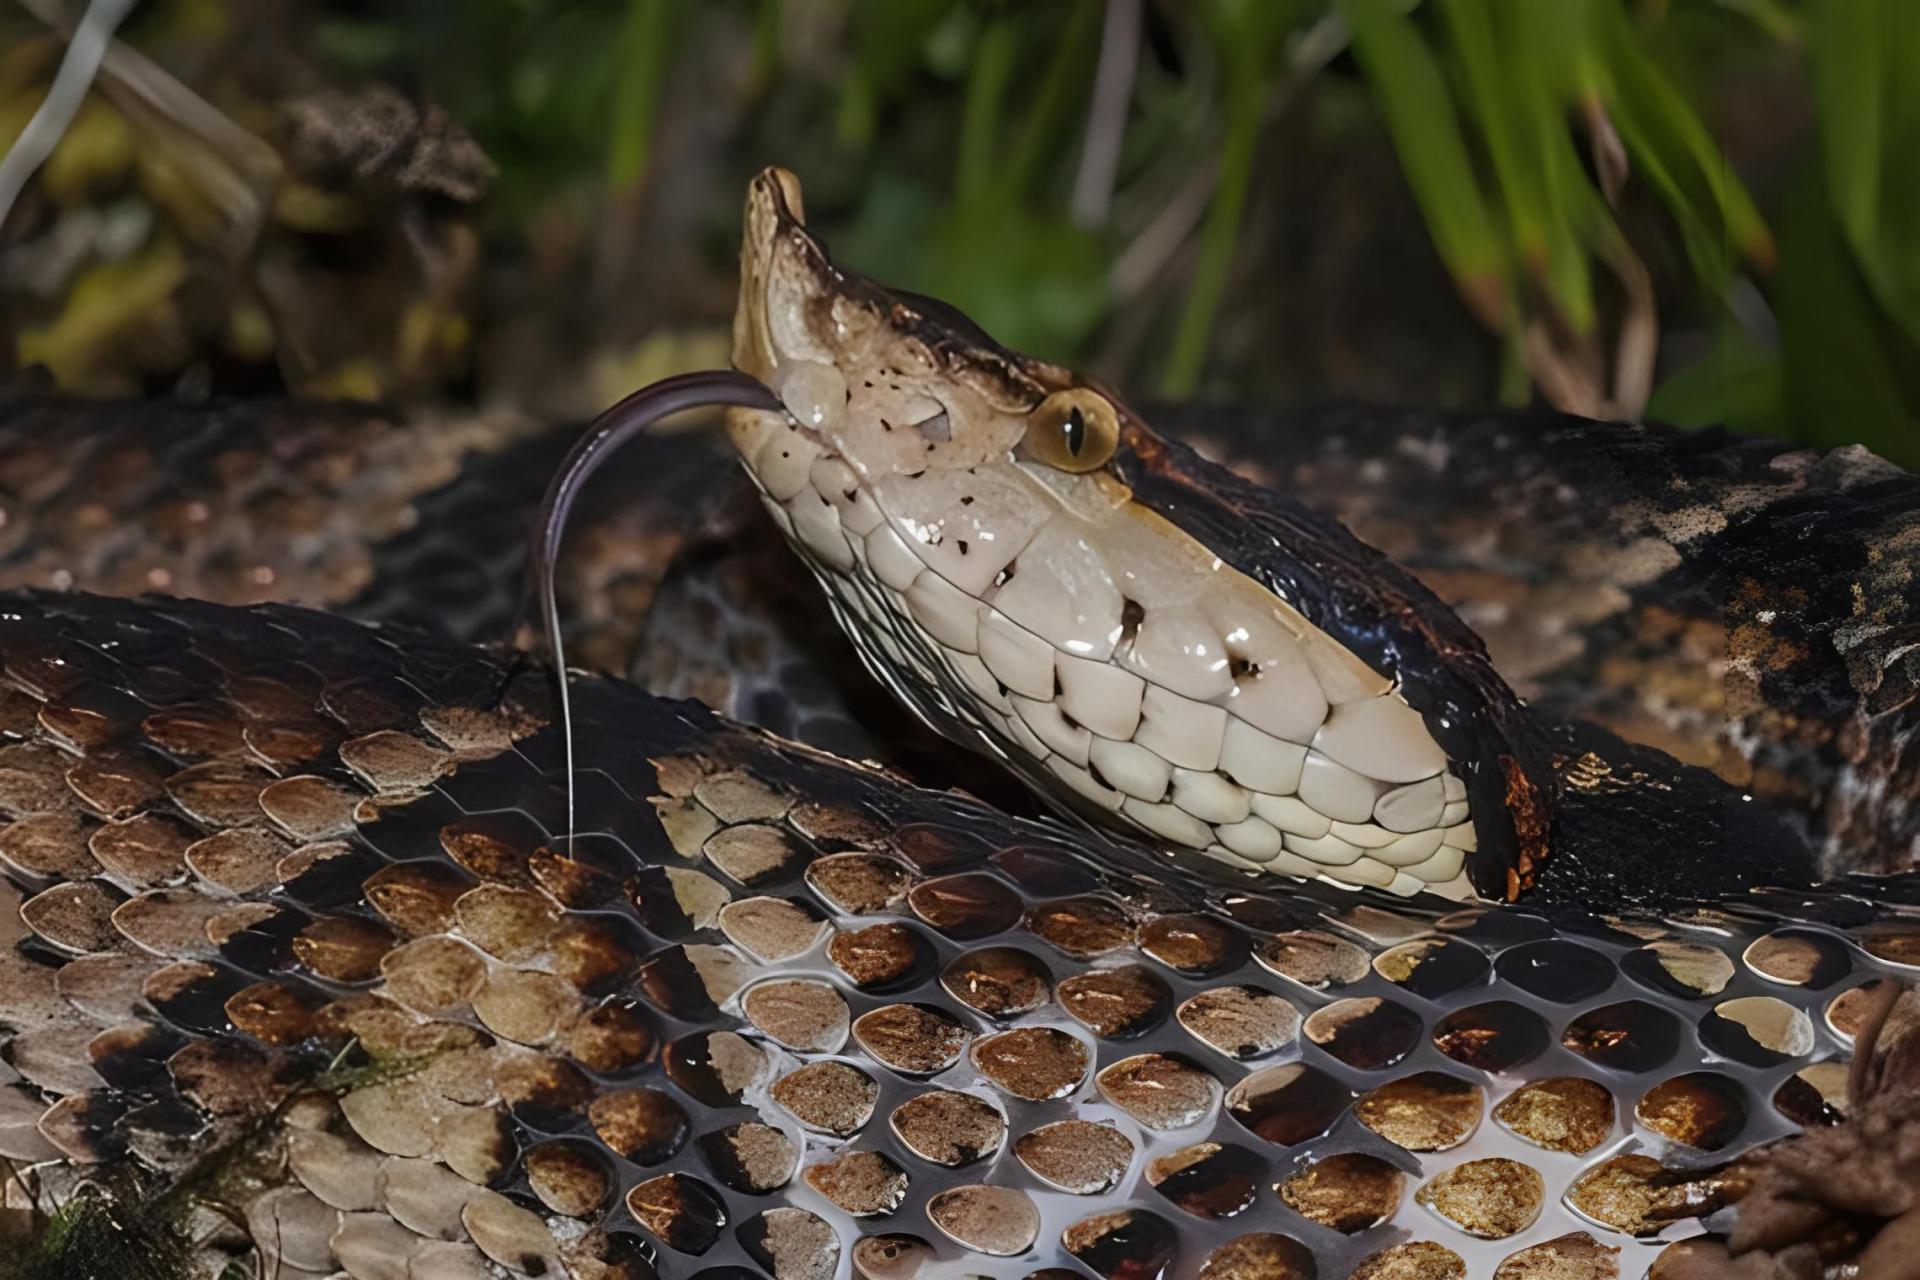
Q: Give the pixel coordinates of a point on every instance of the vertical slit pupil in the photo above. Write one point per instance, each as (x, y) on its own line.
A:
(1076, 431)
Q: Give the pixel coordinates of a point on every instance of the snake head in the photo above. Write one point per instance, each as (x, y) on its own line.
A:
(982, 525)
(892, 382)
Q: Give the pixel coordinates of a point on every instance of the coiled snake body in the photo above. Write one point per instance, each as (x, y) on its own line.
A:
(298, 939)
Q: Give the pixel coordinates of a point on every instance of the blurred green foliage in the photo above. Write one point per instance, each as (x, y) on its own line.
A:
(1571, 161)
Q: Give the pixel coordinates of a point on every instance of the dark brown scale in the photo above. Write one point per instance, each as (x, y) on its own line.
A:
(1207, 1180)
(1349, 1192)
(1195, 946)
(1630, 1036)
(1432, 967)
(858, 883)
(1367, 1032)
(1564, 972)
(1803, 1104)
(965, 907)
(1701, 1109)
(1496, 1036)
(1084, 928)
(1288, 1104)
(679, 1211)
(1124, 1244)
(1045, 871)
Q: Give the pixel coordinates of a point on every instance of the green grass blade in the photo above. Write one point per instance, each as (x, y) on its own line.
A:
(644, 38)
(1491, 98)
(1248, 35)
(1039, 136)
(1411, 93)
(1849, 78)
(1670, 145)
(980, 140)
(1865, 53)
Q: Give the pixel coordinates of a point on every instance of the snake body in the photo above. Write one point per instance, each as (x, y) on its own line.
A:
(292, 906)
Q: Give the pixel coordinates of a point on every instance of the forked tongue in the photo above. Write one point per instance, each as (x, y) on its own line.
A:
(773, 205)
(609, 431)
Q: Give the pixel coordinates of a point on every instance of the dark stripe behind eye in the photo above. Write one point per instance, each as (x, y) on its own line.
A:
(948, 315)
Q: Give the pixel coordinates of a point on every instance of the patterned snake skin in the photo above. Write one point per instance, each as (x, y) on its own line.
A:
(289, 893)
(291, 905)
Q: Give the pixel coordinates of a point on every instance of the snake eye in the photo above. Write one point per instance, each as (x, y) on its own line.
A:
(1074, 430)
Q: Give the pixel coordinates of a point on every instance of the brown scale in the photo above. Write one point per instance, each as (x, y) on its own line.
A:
(1559, 1113)
(1117, 1004)
(917, 1040)
(831, 1097)
(1240, 1021)
(1625, 1194)
(1161, 1091)
(1313, 959)
(1574, 1256)
(1426, 1111)
(1349, 1192)
(948, 1128)
(802, 1014)
(1414, 1260)
(1035, 1063)
(879, 956)
(1492, 1198)
(770, 930)
(862, 1184)
(859, 883)
(571, 1178)
(1260, 1255)
(1084, 928)
(1000, 982)
(1078, 1156)
(997, 1221)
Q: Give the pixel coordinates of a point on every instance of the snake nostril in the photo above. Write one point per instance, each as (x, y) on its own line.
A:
(1132, 614)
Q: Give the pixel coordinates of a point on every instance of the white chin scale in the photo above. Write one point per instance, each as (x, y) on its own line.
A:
(1116, 668)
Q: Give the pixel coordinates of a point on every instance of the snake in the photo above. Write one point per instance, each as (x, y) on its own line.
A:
(337, 951)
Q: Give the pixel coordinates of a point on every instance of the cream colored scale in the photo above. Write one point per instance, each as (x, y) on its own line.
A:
(1104, 651)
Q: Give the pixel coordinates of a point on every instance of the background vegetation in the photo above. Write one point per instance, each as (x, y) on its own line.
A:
(1693, 210)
